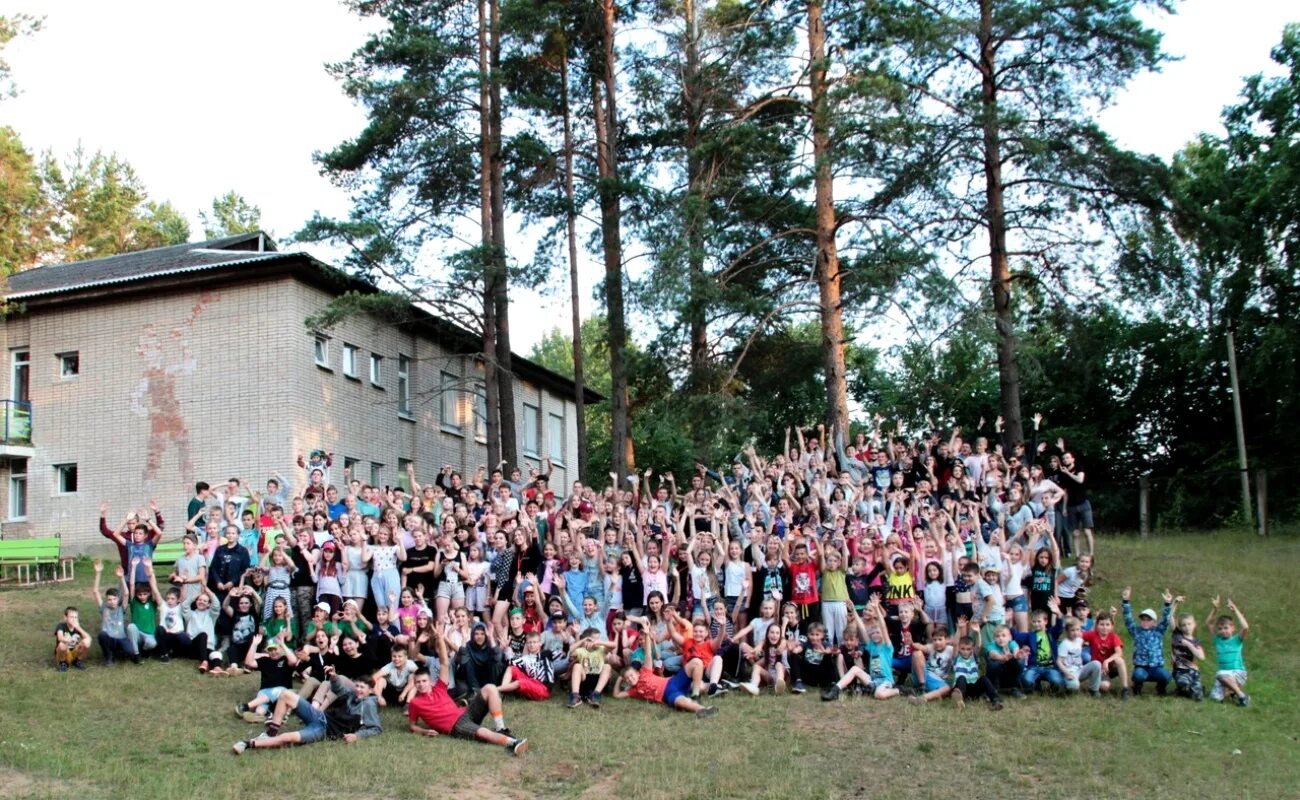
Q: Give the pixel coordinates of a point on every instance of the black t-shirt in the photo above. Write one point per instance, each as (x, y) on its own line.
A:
(418, 557)
(1077, 490)
(902, 638)
(767, 580)
(354, 667)
(302, 575)
(315, 664)
(275, 671)
(633, 588)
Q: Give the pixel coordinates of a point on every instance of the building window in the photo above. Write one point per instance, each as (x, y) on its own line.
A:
(350, 360)
(322, 351)
(65, 478)
(20, 375)
(376, 473)
(532, 432)
(349, 468)
(69, 364)
(555, 439)
(450, 396)
(480, 412)
(18, 493)
(376, 369)
(403, 479)
(403, 386)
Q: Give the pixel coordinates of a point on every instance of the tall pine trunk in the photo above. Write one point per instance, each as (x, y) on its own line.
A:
(491, 385)
(501, 285)
(696, 212)
(828, 261)
(571, 226)
(606, 122)
(1000, 282)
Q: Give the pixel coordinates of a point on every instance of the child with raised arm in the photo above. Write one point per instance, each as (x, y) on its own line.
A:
(1108, 651)
(880, 652)
(112, 619)
(1230, 674)
(1148, 642)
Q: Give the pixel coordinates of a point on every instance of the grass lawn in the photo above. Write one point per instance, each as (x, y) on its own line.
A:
(160, 730)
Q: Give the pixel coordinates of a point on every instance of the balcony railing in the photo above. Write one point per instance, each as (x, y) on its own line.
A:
(17, 421)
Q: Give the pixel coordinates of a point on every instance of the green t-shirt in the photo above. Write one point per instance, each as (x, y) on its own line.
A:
(1228, 652)
(834, 587)
(331, 628)
(144, 616)
(272, 627)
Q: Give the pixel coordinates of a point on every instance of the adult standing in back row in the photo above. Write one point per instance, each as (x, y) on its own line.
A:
(1079, 510)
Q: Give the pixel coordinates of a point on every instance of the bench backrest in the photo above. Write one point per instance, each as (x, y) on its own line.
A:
(26, 549)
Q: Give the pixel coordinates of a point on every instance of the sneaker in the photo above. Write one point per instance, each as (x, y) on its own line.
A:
(63, 666)
(505, 732)
(705, 712)
(797, 688)
(716, 689)
(958, 698)
(78, 665)
(1096, 693)
(832, 692)
(135, 659)
(263, 736)
(1125, 695)
(517, 747)
(108, 661)
(241, 709)
(253, 718)
(730, 684)
(165, 658)
(1017, 694)
(750, 688)
(574, 700)
(239, 747)
(1242, 700)
(997, 705)
(593, 699)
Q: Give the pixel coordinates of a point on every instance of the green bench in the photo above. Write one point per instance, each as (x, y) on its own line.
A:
(30, 559)
(168, 552)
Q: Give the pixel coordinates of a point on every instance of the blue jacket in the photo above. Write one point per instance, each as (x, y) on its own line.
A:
(1148, 643)
(1031, 641)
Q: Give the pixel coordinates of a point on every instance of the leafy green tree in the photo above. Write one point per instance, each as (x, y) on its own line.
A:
(24, 209)
(13, 26)
(1008, 90)
(101, 208)
(231, 214)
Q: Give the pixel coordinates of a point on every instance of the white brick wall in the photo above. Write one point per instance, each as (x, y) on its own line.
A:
(248, 397)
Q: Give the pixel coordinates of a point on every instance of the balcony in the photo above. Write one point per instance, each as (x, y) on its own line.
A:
(17, 440)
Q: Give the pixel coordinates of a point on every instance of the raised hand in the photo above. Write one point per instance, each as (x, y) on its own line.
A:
(103, 508)
(1168, 596)
(99, 566)
(1127, 594)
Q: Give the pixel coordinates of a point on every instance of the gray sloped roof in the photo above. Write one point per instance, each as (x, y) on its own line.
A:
(189, 257)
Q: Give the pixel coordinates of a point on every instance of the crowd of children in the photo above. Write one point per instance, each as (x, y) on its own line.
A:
(931, 569)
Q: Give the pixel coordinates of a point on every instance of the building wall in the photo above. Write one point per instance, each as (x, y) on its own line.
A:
(191, 385)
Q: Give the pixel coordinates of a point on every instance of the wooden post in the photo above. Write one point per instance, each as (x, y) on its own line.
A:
(1241, 428)
(1144, 507)
(1261, 500)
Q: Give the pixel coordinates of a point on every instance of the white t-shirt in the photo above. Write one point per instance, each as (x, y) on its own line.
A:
(1070, 583)
(939, 663)
(992, 605)
(1070, 652)
(395, 677)
(735, 578)
(198, 622)
(1013, 574)
(172, 619)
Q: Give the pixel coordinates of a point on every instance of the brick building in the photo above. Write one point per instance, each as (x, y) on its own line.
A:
(133, 376)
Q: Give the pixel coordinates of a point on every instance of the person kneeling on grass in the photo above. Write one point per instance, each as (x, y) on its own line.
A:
(642, 684)
(529, 674)
(353, 715)
(431, 711)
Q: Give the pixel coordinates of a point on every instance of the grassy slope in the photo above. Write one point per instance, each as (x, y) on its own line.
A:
(162, 731)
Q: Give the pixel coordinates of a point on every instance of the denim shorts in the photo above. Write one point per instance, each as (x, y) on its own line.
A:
(313, 721)
(1018, 603)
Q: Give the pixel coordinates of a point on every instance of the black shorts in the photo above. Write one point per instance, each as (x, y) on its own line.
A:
(467, 724)
(588, 684)
(392, 694)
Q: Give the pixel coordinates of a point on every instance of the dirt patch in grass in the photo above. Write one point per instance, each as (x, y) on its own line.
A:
(15, 784)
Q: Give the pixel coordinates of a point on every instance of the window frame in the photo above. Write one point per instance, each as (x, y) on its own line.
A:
(532, 414)
(63, 358)
(376, 370)
(61, 471)
(557, 458)
(350, 360)
(321, 351)
(16, 478)
(403, 386)
(449, 392)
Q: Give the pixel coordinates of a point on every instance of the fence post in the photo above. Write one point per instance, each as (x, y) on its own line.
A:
(1261, 500)
(1144, 506)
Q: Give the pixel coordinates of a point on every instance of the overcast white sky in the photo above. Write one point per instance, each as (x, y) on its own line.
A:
(206, 97)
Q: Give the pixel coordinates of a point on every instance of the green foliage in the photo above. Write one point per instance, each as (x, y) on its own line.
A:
(231, 214)
(13, 26)
(24, 208)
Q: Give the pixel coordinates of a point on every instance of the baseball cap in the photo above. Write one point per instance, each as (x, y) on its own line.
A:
(323, 607)
(1148, 612)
